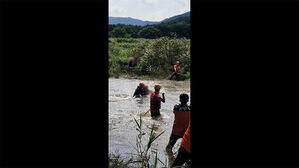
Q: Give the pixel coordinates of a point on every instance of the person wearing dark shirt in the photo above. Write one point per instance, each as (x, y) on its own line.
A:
(131, 64)
(141, 90)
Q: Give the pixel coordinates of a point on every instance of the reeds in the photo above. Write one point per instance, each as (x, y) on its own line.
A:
(145, 157)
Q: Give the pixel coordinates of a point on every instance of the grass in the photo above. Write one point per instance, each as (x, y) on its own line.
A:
(115, 160)
(144, 157)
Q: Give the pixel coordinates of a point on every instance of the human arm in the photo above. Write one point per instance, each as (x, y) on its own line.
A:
(163, 98)
(136, 92)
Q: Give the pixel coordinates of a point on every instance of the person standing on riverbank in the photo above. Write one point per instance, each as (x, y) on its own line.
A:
(176, 68)
(155, 101)
(141, 90)
(181, 121)
(132, 63)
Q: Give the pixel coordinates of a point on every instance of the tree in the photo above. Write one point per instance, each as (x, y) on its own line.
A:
(149, 32)
(119, 32)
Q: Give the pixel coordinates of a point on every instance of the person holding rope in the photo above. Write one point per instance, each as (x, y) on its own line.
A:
(176, 68)
(181, 121)
(155, 101)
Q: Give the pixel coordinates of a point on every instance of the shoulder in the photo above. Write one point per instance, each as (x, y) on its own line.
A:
(176, 107)
(158, 96)
(180, 107)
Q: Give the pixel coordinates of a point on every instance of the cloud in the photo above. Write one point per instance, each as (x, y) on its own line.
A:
(149, 2)
(182, 2)
(116, 11)
(151, 10)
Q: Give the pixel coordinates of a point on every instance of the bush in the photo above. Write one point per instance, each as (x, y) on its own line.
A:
(155, 57)
(160, 56)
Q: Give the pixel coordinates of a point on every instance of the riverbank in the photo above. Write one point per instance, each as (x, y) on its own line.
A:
(147, 77)
(155, 57)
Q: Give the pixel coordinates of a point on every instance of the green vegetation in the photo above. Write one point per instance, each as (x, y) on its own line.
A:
(180, 26)
(144, 157)
(155, 57)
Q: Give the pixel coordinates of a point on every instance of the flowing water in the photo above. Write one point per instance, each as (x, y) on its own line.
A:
(123, 108)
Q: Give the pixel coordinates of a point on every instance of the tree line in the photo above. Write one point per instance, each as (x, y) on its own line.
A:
(179, 26)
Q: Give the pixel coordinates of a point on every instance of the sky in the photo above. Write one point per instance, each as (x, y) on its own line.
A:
(148, 10)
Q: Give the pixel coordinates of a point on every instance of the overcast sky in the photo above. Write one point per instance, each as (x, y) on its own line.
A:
(148, 10)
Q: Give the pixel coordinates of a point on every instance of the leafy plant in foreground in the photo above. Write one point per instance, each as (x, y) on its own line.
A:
(144, 157)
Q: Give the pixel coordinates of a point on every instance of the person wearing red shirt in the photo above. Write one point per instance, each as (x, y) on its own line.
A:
(155, 101)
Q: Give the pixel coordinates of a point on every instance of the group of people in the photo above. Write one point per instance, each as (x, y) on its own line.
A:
(181, 125)
(133, 63)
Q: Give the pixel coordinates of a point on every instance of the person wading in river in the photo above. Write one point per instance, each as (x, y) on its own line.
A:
(155, 101)
(184, 154)
(181, 121)
(141, 90)
(176, 68)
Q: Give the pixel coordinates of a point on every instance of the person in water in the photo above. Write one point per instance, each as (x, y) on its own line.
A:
(141, 90)
(184, 154)
(155, 101)
(176, 68)
(181, 121)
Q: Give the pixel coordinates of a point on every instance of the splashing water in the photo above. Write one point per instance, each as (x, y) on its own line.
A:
(123, 108)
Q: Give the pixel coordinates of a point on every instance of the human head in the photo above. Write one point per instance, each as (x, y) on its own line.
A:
(157, 88)
(177, 62)
(141, 84)
(184, 98)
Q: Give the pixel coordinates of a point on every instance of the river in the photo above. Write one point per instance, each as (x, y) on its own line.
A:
(123, 108)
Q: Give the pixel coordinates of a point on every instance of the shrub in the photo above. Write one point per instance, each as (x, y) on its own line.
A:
(160, 56)
(155, 57)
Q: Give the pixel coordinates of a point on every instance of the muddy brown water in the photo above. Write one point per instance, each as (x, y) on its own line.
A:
(123, 108)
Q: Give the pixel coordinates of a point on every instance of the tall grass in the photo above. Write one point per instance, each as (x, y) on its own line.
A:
(144, 157)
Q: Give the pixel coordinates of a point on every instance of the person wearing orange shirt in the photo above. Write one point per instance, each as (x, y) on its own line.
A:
(181, 121)
(184, 153)
(176, 68)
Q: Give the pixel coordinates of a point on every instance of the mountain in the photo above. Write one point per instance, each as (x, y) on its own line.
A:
(129, 21)
(179, 20)
(132, 21)
(175, 17)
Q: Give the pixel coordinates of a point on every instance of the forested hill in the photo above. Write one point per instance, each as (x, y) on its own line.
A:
(179, 25)
(129, 21)
(175, 17)
(137, 22)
